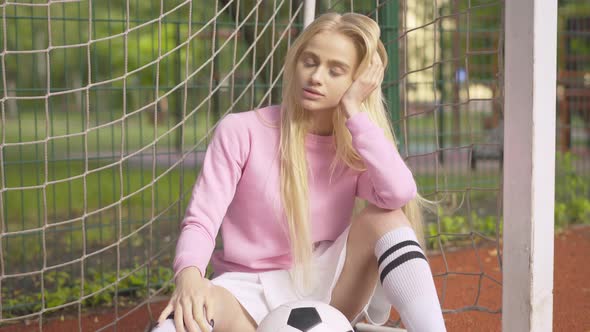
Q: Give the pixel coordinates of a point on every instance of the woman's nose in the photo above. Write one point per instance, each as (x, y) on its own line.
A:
(316, 76)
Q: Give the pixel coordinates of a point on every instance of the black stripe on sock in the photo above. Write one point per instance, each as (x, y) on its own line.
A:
(397, 247)
(399, 261)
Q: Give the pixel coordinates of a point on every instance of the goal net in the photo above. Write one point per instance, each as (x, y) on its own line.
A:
(106, 111)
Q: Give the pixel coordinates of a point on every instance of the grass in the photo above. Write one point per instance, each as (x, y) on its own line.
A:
(96, 198)
(132, 186)
(113, 201)
(69, 136)
(477, 180)
(79, 183)
(28, 168)
(64, 177)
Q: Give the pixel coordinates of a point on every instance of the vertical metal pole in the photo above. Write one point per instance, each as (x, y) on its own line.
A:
(441, 92)
(529, 164)
(389, 22)
(178, 95)
(308, 12)
(456, 47)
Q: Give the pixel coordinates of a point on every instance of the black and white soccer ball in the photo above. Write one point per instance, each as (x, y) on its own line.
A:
(305, 316)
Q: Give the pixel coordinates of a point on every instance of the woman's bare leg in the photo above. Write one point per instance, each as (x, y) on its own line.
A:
(360, 273)
(227, 314)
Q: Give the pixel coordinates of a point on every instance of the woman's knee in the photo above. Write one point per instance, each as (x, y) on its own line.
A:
(167, 326)
(225, 314)
(373, 222)
(228, 314)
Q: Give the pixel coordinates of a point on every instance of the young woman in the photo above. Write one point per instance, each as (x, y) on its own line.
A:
(281, 183)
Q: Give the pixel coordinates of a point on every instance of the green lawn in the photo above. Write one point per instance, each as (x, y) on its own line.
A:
(112, 200)
(52, 182)
(71, 135)
(53, 176)
(62, 162)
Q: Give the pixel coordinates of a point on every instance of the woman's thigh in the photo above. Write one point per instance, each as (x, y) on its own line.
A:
(226, 312)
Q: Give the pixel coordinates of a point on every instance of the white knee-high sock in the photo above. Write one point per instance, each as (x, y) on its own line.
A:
(407, 280)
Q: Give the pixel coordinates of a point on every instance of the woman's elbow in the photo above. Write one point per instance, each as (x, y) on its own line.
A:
(398, 198)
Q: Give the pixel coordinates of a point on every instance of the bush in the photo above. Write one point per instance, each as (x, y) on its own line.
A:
(458, 230)
(572, 205)
(61, 288)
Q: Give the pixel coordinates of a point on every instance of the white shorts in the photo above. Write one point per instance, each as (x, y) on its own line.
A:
(260, 293)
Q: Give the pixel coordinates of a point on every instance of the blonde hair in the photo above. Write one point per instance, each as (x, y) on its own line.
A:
(295, 123)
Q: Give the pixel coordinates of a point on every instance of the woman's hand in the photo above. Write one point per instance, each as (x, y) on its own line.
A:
(190, 301)
(362, 87)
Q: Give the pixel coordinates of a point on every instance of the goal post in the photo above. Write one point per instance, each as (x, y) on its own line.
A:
(529, 164)
(107, 107)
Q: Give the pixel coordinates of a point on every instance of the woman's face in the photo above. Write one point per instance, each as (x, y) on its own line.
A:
(325, 71)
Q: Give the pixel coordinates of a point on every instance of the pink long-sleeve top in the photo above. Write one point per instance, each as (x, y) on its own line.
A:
(238, 192)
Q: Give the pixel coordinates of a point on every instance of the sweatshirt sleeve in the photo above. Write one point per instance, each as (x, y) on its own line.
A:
(212, 193)
(387, 182)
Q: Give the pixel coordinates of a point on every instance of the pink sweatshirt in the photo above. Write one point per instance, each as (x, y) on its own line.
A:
(238, 192)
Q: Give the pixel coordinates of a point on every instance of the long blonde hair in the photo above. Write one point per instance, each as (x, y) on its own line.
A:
(295, 123)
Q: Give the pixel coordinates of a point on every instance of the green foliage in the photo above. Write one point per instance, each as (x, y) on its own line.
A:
(572, 206)
(458, 230)
(579, 41)
(146, 42)
(572, 192)
(480, 22)
(99, 289)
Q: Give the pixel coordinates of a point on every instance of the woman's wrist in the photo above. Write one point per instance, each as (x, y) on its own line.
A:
(193, 271)
(349, 107)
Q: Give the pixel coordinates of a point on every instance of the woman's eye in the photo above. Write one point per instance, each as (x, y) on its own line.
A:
(308, 63)
(336, 72)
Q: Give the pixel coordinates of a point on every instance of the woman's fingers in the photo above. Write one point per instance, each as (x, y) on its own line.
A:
(178, 322)
(377, 59)
(167, 311)
(379, 76)
(208, 307)
(189, 319)
(374, 70)
(377, 63)
(198, 313)
(370, 79)
(188, 316)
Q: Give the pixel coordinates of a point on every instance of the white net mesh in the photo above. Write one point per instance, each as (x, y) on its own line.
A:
(106, 111)
(445, 96)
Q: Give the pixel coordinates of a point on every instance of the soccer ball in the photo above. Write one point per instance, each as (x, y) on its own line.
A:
(305, 316)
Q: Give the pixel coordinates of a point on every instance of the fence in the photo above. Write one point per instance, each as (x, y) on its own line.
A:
(107, 107)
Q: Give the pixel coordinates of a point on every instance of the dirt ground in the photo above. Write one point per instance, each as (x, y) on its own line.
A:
(571, 293)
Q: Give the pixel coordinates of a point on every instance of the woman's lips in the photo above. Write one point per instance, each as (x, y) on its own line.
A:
(311, 94)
